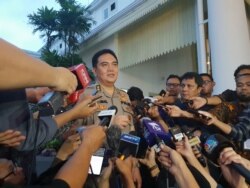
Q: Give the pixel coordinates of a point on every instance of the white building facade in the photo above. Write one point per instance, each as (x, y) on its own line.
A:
(155, 38)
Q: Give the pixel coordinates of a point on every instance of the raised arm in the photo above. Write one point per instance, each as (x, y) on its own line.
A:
(19, 70)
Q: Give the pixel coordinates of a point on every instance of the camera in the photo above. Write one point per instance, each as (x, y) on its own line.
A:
(50, 103)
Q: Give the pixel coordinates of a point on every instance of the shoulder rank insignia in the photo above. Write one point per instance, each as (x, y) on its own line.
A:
(97, 89)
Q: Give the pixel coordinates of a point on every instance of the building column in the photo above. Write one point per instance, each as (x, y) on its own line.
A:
(200, 36)
(229, 40)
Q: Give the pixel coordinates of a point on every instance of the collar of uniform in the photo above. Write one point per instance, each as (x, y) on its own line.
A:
(99, 88)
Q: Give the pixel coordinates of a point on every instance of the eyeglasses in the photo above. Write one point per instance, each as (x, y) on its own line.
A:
(206, 82)
(13, 171)
(172, 85)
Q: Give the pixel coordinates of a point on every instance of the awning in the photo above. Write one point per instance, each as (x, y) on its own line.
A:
(160, 34)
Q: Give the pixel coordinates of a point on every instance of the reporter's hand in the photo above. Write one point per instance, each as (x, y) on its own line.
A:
(159, 99)
(174, 111)
(11, 138)
(166, 99)
(64, 80)
(82, 109)
(70, 145)
(122, 121)
(93, 137)
(227, 156)
(198, 102)
(184, 148)
(212, 119)
(149, 159)
(105, 175)
(35, 94)
(171, 159)
(136, 173)
(124, 166)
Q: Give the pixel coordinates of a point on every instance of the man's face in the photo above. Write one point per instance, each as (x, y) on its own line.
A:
(189, 89)
(207, 86)
(243, 88)
(173, 86)
(106, 70)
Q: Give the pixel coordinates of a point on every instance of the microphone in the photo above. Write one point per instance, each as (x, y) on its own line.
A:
(215, 144)
(196, 147)
(113, 136)
(155, 134)
(83, 81)
(106, 116)
(50, 103)
(128, 145)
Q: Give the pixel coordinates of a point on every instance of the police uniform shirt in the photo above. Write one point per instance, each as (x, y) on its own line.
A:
(119, 99)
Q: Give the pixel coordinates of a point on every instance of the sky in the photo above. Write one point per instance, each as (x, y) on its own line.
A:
(14, 26)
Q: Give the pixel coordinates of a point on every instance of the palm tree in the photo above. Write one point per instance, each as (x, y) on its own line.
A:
(45, 21)
(74, 21)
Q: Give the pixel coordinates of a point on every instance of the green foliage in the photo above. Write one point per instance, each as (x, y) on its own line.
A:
(54, 59)
(53, 144)
(68, 25)
(45, 22)
(74, 20)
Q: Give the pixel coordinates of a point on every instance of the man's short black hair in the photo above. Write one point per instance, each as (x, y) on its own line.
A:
(173, 76)
(135, 93)
(101, 52)
(193, 75)
(208, 75)
(240, 68)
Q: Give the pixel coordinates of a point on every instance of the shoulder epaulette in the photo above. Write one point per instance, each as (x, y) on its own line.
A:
(97, 89)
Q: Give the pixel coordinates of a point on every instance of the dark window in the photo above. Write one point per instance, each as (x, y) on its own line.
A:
(112, 7)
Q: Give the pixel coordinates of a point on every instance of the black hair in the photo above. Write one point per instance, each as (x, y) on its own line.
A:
(173, 76)
(101, 52)
(135, 93)
(193, 75)
(208, 75)
(240, 68)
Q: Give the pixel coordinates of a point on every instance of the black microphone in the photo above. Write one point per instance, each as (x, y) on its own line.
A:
(128, 145)
(113, 138)
(198, 155)
(213, 147)
(106, 116)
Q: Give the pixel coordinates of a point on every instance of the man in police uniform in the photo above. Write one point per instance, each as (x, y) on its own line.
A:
(105, 67)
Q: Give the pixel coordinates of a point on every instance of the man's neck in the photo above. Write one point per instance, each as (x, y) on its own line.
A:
(109, 89)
